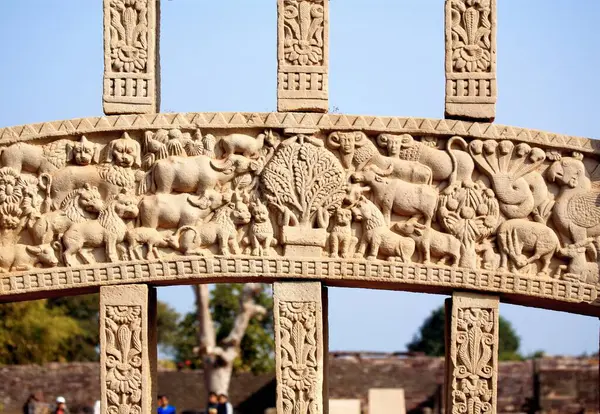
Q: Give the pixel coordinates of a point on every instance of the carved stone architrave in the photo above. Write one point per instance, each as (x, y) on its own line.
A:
(131, 58)
(302, 55)
(471, 59)
(472, 354)
(300, 312)
(128, 349)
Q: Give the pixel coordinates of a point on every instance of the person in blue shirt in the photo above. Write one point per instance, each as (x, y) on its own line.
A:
(163, 405)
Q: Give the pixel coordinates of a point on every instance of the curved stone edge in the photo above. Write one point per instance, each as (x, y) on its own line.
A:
(559, 294)
(434, 127)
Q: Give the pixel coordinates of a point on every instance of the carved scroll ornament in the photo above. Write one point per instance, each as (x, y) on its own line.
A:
(131, 56)
(473, 356)
(298, 348)
(302, 55)
(158, 194)
(123, 350)
(471, 59)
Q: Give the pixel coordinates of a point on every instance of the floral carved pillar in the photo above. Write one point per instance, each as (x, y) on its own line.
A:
(472, 354)
(127, 349)
(471, 59)
(131, 62)
(302, 55)
(300, 310)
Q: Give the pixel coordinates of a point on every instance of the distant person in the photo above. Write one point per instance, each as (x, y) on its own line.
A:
(61, 406)
(213, 403)
(29, 406)
(163, 405)
(97, 407)
(225, 406)
(35, 404)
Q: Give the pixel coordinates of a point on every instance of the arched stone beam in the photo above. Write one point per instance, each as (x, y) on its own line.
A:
(314, 121)
(512, 288)
(552, 291)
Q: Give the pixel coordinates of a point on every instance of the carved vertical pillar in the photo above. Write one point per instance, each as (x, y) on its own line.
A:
(302, 55)
(127, 349)
(301, 347)
(471, 59)
(131, 62)
(472, 357)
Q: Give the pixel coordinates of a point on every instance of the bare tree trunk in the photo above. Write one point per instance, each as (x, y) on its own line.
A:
(218, 359)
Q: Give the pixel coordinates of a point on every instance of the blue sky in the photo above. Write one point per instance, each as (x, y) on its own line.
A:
(386, 58)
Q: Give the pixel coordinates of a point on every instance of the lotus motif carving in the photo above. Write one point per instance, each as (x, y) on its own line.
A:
(471, 35)
(128, 35)
(303, 31)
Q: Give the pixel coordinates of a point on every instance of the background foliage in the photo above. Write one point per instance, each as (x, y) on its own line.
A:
(66, 329)
(430, 338)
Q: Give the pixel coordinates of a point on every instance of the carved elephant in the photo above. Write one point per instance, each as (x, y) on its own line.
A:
(517, 236)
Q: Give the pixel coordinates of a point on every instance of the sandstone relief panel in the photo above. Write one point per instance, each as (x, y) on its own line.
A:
(485, 205)
(131, 60)
(302, 55)
(471, 59)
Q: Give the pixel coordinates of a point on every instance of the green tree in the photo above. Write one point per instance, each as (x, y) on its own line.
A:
(431, 339)
(83, 309)
(32, 333)
(257, 344)
(167, 325)
(64, 329)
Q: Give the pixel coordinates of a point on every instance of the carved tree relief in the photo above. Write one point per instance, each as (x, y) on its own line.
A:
(306, 184)
(483, 205)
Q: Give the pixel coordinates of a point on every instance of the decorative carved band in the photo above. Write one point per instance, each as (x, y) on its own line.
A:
(471, 59)
(123, 348)
(325, 122)
(432, 278)
(127, 348)
(131, 76)
(300, 347)
(302, 51)
(473, 359)
(488, 208)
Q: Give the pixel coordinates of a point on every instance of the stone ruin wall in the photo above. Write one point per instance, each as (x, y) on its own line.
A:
(566, 385)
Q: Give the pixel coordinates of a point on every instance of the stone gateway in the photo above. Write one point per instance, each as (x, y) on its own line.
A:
(302, 199)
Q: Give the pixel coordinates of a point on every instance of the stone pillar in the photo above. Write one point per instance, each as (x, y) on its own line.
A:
(302, 55)
(131, 62)
(128, 349)
(472, 357)
(300, 310)
(471, 59)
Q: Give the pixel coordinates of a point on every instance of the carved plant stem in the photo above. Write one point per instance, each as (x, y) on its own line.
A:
(218, 359)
